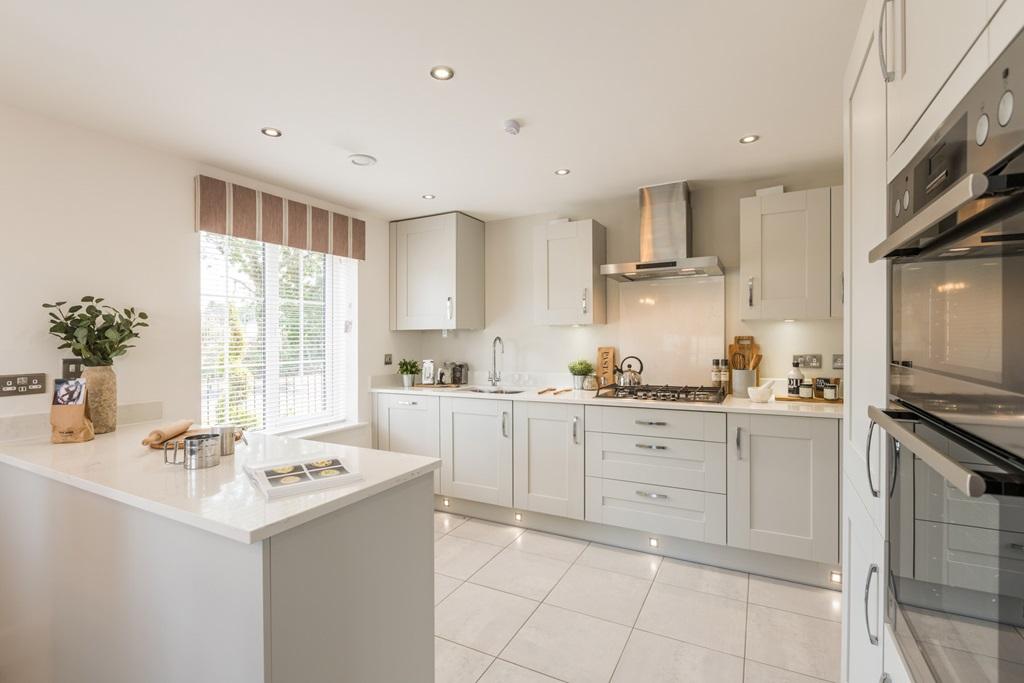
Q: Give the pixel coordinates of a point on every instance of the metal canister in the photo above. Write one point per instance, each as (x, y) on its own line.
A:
(227, 438)
(199, 451)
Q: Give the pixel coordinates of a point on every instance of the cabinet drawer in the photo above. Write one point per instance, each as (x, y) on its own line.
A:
(698, 465)
(936, 500)
(674, 424)
(657, 509)
(966, 557)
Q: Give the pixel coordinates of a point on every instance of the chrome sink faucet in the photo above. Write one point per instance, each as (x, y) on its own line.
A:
(494, 377)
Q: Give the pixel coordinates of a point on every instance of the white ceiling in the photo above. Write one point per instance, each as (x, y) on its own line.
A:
(623, 93)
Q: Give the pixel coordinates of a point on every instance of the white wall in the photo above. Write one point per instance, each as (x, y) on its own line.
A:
(90, 214)
(532, 349)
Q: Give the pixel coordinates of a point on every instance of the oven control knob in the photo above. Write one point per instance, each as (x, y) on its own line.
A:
(981, 130)
(906, 199)
(897, 207)
(1005, 108)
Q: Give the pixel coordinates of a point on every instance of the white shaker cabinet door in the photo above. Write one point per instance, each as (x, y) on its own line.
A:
(863, 592)
(785, 255)
(424, 271)
(476, 450)
(783, 486)
(549, 467)
(568, 286)
(866, 330)
(408, 424)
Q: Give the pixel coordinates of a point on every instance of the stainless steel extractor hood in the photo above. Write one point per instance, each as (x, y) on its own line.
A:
(665, 239)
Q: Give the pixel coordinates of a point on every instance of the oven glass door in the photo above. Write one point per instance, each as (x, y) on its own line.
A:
(956, 569)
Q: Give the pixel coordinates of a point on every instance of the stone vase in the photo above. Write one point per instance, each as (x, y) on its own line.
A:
(101, 397)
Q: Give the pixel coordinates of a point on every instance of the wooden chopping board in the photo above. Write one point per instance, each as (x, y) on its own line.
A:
(180, 438)
(605, 365)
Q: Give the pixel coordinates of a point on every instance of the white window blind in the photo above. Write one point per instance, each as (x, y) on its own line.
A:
(277, 348)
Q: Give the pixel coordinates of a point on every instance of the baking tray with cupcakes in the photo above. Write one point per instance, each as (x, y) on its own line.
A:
(287, 478)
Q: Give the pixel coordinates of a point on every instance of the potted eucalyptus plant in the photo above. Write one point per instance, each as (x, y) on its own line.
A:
(408, 369)
(97, 333)
(580, 370)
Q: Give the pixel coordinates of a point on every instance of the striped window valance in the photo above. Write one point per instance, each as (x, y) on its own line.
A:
(228, 209)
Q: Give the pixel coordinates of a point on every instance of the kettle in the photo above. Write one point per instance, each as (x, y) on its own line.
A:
(626, 376)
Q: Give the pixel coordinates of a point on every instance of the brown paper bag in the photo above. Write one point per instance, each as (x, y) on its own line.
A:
(68, 416)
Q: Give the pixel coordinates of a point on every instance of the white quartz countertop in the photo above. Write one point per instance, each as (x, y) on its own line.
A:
(219, 499)
(730, 405)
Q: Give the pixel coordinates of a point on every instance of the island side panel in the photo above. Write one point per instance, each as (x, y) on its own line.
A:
(352, 592)
(95, 590)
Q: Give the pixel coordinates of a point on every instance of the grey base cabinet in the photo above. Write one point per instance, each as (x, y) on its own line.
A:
(408, 424)
(549, 459)
(476, 450)
(783, 484)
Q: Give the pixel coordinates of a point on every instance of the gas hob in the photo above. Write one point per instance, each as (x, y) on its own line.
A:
(674, 394)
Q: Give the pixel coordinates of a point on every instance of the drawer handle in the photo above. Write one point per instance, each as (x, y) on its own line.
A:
(651, 447)
(1017, 546)
(650, 423)
(867, 459)
(408, 403)
(872, 573)
(652, 495)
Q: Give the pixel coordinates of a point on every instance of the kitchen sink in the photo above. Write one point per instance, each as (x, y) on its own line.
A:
(496, 390)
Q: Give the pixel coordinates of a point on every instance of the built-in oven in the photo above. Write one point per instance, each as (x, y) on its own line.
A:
(955, 423)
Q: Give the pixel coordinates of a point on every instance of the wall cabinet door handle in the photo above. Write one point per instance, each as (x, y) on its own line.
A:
(575, 430)
(872, 573)
(867, 459)
(504, 424)
(652, 495)
(887, 75)
(651, 447)
(584, 301)
(1017, 546)
(739, 443)
(650, 423)
(450, 307)
(750, 293)
(407, 403)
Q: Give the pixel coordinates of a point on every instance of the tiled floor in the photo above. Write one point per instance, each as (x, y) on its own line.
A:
(522, 606)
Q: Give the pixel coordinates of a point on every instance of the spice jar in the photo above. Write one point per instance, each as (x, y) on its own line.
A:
(806, 390)
(831, 392)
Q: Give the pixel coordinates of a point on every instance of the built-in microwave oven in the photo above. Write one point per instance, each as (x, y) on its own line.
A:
(955, 422)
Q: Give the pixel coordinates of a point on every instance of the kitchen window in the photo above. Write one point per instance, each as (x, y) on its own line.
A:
(277, 334)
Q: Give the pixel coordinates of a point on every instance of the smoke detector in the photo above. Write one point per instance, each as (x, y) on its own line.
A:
(512, 127)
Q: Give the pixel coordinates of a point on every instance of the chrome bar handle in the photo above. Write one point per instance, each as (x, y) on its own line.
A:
(1017, 546)
(650, 423)
(867, 460)
(407, 403)
(450, 307)
(969, 483)
(584, 301)
(652, 495)
(504, 424)
(739, 447)
(651, 447)
(872, 573)
(575, 430)
(750, 292)
(887, 75)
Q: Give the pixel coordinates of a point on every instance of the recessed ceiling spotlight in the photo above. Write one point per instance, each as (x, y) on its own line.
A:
(442, 73)
(747, 139)
(429, 196)
(362, 159)
(271, 132)
(563, 171)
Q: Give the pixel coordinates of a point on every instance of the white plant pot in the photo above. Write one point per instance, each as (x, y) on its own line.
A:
(407, 381)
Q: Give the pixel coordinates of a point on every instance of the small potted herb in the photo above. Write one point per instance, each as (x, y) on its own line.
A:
(580, 370)
(408, 369)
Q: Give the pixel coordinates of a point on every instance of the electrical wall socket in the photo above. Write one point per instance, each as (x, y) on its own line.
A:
(808, 360)
(71, 368)
(387, 359)
(19, 385)
(837, 361)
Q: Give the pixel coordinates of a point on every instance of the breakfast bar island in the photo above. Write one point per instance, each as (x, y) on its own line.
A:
(116, 567)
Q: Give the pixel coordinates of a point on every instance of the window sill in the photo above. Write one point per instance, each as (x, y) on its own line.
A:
(310, 431)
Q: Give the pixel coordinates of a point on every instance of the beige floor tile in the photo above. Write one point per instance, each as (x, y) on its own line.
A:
(796, 642)
(549, 545)
(694, 617)
(704, 578)
(443, 586)
(656, 659)
(445, 522)
(531, 576)
(957, 665)
(640, 565)
(480, 617)
(599, 593)
(795, 597)
(506, 672)
(756, 672)
(456, 664)
(460, 558)
(567, 645)
(487, 532)
(971, 635)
